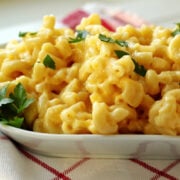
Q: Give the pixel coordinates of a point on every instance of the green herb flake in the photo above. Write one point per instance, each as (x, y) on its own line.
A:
(23, 34)
(49, 62)
(3, 99)
(177, 30)
(13, 105)
(20, 98)
(121, 43)
(15, 122)
(120, 53)
(104, 38)
(80, 36)
(139, 69)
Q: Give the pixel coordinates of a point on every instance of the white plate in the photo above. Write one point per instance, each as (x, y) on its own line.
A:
(97, 146)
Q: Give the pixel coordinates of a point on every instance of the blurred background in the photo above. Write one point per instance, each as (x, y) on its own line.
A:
(19, 15)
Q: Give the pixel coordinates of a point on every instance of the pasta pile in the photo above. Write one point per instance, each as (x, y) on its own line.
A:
(94, 81)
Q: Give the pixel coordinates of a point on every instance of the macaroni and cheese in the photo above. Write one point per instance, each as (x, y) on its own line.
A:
(94, 81)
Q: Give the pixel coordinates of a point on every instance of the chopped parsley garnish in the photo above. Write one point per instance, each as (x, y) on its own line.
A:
(177, 30)
(49, 62)
(139, 69)
(120, 54)
(80, 36)
(106, 39)
(110, 40)
(13, 105)
(23, 34)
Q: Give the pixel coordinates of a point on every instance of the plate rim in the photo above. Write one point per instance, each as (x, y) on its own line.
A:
(122, 146)
(13, 130)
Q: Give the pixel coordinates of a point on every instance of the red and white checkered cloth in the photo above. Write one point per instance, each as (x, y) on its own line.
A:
(19, 164)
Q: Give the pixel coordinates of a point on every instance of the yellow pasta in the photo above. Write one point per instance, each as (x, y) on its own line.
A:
(94, 81)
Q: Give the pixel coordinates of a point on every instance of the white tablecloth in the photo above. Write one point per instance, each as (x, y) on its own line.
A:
(17, 163)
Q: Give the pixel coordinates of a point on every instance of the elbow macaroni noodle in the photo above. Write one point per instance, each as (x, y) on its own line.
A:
(91, 90)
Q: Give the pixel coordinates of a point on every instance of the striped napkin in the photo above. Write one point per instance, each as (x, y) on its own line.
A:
(111, 19)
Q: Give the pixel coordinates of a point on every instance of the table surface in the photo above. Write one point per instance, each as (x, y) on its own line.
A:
(17, 163)
(18, 14)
